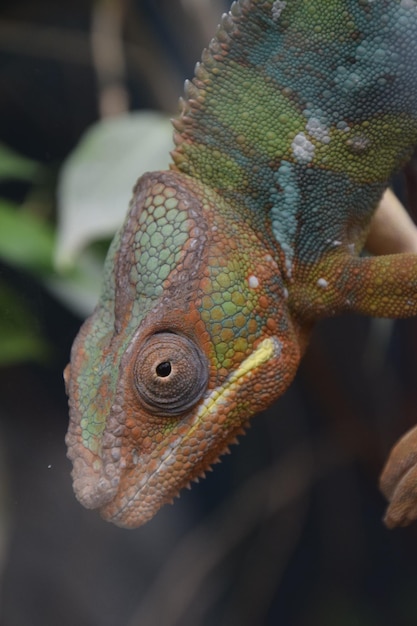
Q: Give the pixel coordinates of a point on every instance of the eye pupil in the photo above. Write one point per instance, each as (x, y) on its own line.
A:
(164, 369)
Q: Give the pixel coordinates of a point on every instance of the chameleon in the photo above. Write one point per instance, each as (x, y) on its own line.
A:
(298, 115)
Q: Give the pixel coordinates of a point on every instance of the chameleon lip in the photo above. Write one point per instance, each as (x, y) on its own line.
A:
(267, 349)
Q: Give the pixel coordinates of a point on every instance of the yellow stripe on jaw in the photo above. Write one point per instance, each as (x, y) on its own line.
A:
(268, 348)
(264, 352)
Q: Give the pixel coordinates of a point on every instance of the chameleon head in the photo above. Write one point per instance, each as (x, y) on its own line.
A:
(191, 338)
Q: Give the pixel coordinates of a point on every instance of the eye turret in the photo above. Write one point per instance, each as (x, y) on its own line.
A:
(170, 374)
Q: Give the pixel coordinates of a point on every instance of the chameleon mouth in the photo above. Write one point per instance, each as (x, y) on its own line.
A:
(193, 452)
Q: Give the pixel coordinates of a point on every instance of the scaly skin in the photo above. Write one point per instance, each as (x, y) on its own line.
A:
(296, 119)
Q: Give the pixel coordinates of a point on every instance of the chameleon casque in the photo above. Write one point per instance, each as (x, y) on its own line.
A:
(295, 121)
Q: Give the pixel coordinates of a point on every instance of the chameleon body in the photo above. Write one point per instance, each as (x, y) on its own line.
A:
(296, 119)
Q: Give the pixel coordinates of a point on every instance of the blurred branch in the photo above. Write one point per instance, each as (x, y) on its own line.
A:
(109, 57)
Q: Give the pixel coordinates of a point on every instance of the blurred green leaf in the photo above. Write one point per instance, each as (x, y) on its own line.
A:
(19, 340)
(25, 240)
(97, 179)
(79, 288)
(14, 166)
(28, 243)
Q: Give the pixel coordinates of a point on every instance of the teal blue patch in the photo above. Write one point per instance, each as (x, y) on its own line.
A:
(286, 206)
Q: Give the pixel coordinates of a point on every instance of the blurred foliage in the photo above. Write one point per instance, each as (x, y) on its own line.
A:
(95, 185)
(19, 337)
(26, 241)
(12, 165)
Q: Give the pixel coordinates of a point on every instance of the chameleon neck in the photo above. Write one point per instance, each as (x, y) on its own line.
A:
(282, 99)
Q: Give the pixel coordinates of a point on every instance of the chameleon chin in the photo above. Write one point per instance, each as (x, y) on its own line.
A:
(297, 117)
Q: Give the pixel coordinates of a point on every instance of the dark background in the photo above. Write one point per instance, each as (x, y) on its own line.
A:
(288, 529)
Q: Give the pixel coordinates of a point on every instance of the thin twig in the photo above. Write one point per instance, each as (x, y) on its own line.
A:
(109, 56)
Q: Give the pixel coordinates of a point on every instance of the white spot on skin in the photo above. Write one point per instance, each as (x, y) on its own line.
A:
(253, 282)
(302, 148)
(318, 130)
(268, 258)
(286, 294)
(322, 282)
(277, 9)
(359, 144)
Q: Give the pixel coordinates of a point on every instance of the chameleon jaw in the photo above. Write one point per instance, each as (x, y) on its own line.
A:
(195, 448)
(268, 348)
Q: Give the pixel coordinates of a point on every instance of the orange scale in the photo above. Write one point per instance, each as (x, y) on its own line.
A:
(200, 327)
(193, 317)
(159, 437)
(130, 423)
(223, 413)
(203, 445)
(263, 302)
(147, 443)
(152, 466)
(205, 284)
(271, 324)
(239, 356)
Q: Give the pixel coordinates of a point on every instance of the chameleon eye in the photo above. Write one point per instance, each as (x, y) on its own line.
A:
(170, 374)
